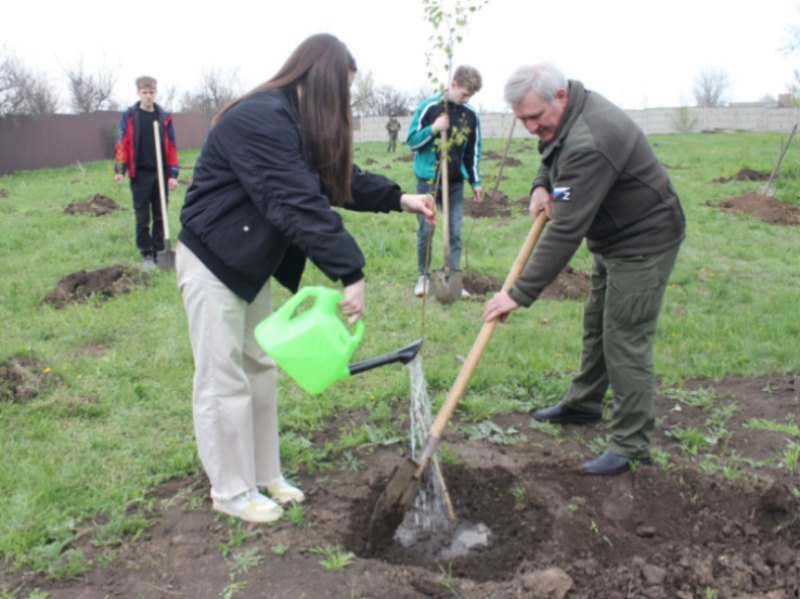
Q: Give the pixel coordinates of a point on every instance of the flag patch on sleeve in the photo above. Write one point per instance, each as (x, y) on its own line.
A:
(562, 194)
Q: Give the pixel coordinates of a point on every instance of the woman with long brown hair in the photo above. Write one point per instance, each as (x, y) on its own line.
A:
(274, 164)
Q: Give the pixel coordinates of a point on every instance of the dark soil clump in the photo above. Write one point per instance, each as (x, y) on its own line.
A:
(21, 379)
(765, 208)
(746, 174)
(570, 284)
(104, 283)
(478, 284)
(496, 204)
(99, 205)
(509, 161)
(4, 193)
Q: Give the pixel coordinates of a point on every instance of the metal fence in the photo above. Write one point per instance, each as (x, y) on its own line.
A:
(62, 139)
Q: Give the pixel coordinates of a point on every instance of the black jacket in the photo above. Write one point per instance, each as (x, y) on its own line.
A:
(256, 208)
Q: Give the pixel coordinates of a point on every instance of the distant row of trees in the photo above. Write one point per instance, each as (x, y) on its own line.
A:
(26, 93)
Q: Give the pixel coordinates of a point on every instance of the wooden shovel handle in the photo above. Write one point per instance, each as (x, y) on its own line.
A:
(480, 343)
(443, 159)
(160, 169)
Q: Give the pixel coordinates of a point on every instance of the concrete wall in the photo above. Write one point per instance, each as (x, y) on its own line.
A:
(653, 121)
(59, 140)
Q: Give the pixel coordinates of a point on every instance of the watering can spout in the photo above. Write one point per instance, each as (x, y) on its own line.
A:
(404, 355)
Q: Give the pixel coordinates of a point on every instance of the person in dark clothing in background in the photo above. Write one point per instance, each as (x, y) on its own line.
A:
(599, 179)
(393, 128)
(274, 165)
(135, 154)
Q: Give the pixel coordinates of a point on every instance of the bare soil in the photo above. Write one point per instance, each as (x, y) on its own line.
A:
(101, 284)
(655, 532)
(570, 284)
(687, 530)
(765, 208)
(99, 205)
(745, 174)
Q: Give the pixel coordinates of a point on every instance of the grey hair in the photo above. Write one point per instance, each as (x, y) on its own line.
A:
(544, 79)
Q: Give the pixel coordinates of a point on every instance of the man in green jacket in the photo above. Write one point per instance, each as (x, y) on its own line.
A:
(600, 180)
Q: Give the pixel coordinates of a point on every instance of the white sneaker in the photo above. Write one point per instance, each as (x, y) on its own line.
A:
(148, 264)
(284, 493)
(465, 294)
(251, 506)
(421, 288)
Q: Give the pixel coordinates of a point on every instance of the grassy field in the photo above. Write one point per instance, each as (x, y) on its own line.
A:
(112, 416)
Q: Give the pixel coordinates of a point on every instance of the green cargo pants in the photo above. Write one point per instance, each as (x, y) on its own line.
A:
(619, 325)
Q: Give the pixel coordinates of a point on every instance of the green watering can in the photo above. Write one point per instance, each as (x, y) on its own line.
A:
(313, 346)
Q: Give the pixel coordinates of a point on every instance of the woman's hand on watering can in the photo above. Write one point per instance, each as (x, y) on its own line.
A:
(352, 306)
(420, 204)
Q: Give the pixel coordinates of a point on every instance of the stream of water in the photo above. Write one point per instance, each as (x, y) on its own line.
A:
(431, 511)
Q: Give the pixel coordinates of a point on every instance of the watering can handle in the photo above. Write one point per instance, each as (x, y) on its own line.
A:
(328, 300)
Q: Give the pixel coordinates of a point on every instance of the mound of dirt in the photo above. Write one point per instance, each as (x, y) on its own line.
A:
(99, 205)
(570, 284)
(4, 193)
(746, 174)
(658, 532)
(22, 378)
(478, 284)
(495, 204)
(104, 283)
(492, 155)
(405, 158)
(764, 208)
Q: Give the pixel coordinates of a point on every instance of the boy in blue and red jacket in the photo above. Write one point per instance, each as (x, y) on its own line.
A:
(135, 154)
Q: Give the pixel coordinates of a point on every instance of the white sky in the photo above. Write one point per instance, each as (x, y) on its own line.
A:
(638, 53)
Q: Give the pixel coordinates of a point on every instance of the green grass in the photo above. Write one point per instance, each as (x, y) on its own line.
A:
(115, 417)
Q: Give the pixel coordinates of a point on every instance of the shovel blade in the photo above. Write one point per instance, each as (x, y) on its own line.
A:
(447, 285)
(166, 258)
(393, 503)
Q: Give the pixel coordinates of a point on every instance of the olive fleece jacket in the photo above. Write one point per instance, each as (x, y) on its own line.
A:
(607, 186)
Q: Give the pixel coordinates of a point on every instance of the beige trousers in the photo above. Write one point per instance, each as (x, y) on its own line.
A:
(234, 401)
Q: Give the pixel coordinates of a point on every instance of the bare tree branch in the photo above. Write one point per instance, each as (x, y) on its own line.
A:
(216, 91)
(23, 93)
(711, 88)
(90, 93)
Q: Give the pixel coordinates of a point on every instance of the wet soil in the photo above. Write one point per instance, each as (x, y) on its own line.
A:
(99, 205)
(102, 284)
(677, 530)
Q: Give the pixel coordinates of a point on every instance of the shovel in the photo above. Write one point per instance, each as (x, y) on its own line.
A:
(407, 477)
(166, 257)
(446, 284)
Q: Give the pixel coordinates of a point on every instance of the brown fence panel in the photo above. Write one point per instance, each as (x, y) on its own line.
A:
(62, 139)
